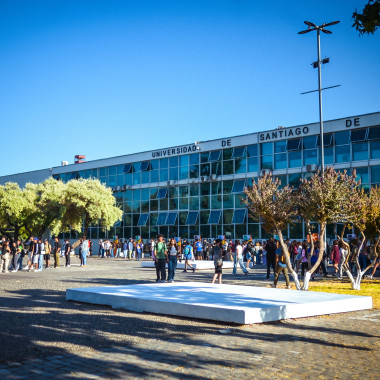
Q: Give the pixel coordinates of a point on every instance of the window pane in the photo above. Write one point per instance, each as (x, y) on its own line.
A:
(227, 186)
(183, 172)
(173, 174)
(164, 175)
(252, 150)
(239, 152)
(342, 153)
(192, 217)
(154, 174)
(216, 202)
(162, 218)
(205, 169)
(172, 217)
(294, 179)
(239, 216)
(295, 160)
(204, 156)
(359, 135)
(327, 140)
(162, 193)
(329, 155)
(374, 133)
(194, 203)
(214, 156)
(310, 157)
(309, 142)
(227, 154)
(294, 144)
(280, 146)
(183, 217)
(240, 165)
(375, 149)
(360, 152)
(342, 138)
(228, 167)
(194, 158)
(252, 164)
(267, 162)
(183, 203)
(155, 164)
(103, 172)
(194, 189)
(143, 219)
(227, 216)
(375, 174)
(164, 163)
(216, 187)
(205, 202)
(112, 170)
(184, 160)
(173, 162)
(362, 174)
(238, 186)
(194, 171)
(280, 161)
(266, 148)
(216, 168)
(205, 188)
(214, 217)
(228, 201)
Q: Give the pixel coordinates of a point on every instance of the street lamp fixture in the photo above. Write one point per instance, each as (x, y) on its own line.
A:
(319, 29)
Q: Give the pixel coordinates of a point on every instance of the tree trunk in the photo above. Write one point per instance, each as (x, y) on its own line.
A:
(287, 257)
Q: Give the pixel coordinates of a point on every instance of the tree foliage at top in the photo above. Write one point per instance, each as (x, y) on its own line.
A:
(369, 20)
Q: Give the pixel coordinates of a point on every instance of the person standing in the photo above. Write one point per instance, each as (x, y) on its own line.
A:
(67, 253)
(47, 254)
(29, 264)
(56, 251)
(199, 249)
(174, 252)
(238, 259)
(125, 249)
(271, 256)
(42, 255)
(36, 255)
(84, 251)
(20, 246)
(5, 255)
(218, 261)
(281, 268)
(160, 253)
(130, 249)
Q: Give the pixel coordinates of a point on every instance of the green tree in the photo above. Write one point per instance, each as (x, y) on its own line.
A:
(369, 20)
(275, 206)
(86, 201)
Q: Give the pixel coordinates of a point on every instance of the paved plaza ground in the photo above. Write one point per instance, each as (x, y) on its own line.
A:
(44, 336)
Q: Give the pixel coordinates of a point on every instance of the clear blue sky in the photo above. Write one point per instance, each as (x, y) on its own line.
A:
(107, 78)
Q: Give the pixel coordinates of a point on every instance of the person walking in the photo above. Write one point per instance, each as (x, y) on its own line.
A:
(5, 256)
(56, 251)
(218, 261)
(160, 253)
(271, 256)
(188, 255)
(174, 251)
(238, 259)
(125, 249)
(30, 253)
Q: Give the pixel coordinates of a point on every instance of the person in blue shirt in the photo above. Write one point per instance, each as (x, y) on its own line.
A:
(187, 254)
(280, 267)
(199, 250)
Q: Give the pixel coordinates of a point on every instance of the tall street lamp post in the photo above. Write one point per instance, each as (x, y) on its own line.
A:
(310, 28)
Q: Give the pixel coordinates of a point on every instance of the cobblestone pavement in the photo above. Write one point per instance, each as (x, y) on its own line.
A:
(43, 336)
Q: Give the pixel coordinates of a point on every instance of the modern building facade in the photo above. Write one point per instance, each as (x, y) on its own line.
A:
(197, 189)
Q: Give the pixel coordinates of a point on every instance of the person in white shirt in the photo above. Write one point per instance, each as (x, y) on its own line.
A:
(84, 251)
(238, 258)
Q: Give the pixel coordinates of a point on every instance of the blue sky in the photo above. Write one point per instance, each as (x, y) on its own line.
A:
(107, 78)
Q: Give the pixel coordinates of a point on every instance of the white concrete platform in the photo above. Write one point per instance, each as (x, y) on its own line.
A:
(227, 303)
(197, 264)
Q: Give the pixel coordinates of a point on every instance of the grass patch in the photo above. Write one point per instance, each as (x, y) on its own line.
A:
(367, 288)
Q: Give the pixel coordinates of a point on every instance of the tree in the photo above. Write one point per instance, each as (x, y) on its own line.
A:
(15, 205)
(324, 196)
(275, 206)
(369, 20)
(86, 201)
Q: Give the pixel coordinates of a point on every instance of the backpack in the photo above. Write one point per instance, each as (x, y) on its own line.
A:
(283, 258)
(187, 251)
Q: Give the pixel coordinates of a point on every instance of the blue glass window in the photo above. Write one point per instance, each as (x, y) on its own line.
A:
(112, 170)
(162, 218)
(309, 142)
(267, 162)
(266, 148)
(239, 216)
(252, 150)
(374, 133)
(238, 186)
(192, 217)
(194, 158)
(239, 152)
(327, 140)
(342, 154)
(360, 152)
(310, 157)
(280, 146)
(252, 164)
(280, 161)
(164, 163)
(329, 155)
(375, 149)
(173, 161)
(294, 144)
(172, 217)
(375, 174)
(362, 174)
(342, 138)
(145, 166)
(136, 166)
(214, 217)
(295, 160)
(214, 156)
(162, 193)
(359, 135)
(143, 219)
(184, 160)
(127, 168)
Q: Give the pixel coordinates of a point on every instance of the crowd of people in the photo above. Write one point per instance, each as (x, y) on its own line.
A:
(38, 253)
